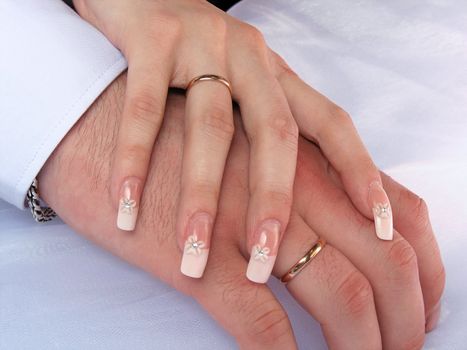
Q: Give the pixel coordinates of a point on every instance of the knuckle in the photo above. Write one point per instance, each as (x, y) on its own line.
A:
(253, 41)
(339, 115)
(282, 196)
(234, 285)
(252, 34)
(215, 23)
(334, 118)
(135, 153)
(402, 261)
(280, 65)
(202, 189)
(265, 321)
(419, 209)
(236, 291)
(355, 294)
(218, 122)
(144, 107)
(268, 323)
(165, 25)
(284, 128)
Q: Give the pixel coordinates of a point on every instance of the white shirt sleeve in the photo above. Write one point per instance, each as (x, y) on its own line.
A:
(53, 65)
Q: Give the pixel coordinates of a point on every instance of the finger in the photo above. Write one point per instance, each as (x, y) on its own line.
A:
(412, 221)
(390, 266)
(141, 120)
(272, 133)
(208, 131)
(332, 129)
(273, 153)
(249, 312)
(331, 289)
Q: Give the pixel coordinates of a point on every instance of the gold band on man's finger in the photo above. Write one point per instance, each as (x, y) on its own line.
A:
(303, 262)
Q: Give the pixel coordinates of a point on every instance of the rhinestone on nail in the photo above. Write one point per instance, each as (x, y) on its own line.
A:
(127, 205)
(382, 210)
(261, 253)
(193, 245)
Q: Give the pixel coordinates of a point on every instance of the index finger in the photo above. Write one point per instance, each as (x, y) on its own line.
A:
(140, 123)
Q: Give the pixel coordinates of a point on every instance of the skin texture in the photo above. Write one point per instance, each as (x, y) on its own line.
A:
(366, 293)
(168, 43)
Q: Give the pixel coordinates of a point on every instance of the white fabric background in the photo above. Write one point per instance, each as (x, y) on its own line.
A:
(45, 43)
(398, 67)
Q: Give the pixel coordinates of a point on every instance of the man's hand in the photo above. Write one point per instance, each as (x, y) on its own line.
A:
(366, 293)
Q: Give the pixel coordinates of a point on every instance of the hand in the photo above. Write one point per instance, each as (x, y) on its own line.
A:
(366, 293)
(167, 43)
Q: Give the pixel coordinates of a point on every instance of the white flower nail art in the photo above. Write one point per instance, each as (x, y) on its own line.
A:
(127, 205)
(382, 210)
(193, 246)
(261, 253)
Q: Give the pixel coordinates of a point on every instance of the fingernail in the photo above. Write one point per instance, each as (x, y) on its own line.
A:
(382, 212)
(128, 206)
(264, 252)
(196, 249)
(432, 320)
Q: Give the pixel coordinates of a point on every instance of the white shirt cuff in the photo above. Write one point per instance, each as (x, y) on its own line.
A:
(52, 67)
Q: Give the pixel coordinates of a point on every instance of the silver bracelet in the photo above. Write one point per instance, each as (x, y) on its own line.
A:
(39, 213)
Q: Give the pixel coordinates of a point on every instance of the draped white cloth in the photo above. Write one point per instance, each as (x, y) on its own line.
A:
(399, 68)
(45, 43)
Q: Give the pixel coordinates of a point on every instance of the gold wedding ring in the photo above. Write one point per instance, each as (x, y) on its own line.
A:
(209, 77)
(303, 262)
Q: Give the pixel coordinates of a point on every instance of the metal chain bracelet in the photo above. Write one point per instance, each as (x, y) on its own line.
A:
(39, 213)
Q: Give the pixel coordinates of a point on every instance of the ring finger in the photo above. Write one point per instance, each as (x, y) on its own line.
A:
(390, 266)
(331, 289)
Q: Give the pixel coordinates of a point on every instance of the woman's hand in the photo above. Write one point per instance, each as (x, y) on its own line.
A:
(167, 44)
(366, 293)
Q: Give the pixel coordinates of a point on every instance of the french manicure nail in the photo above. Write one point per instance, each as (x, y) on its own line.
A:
(382, 212)
(196, 249)
(129, 204)
(264, 252)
